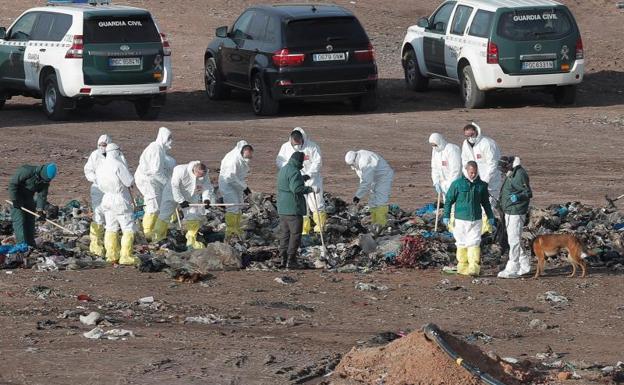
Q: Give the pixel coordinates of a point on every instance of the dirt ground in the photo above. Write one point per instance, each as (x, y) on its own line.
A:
(570, 153)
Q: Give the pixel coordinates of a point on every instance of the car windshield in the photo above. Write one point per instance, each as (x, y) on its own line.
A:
(120, 29)
(535, 24)
(323, 31)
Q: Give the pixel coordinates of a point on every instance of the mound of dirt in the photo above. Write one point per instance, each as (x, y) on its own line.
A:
(414, 360)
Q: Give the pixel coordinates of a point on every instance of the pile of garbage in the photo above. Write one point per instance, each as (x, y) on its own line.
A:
(351, 243)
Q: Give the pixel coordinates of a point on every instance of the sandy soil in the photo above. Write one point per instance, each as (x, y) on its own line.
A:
(570, 154)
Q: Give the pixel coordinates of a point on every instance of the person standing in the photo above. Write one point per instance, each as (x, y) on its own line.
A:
(233, 185)
(23, 185)
(291, 207)
(376, 178)
(152, 175)
(190, 184)
(515, 197)
(446, 163)
(486, 153)
(115, 180)
(312, 164)
(469, 194)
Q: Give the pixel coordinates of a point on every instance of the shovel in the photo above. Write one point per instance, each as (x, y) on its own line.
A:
(437, 213)
(47, 220)
(324, 249)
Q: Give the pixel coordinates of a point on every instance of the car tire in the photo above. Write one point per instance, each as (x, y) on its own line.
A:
(146, 110)
(2, 100)
(472, 96)
(366, 102)
(54, 104)
(262, 102)
(213, 81)
(565, 95)
(413, 78)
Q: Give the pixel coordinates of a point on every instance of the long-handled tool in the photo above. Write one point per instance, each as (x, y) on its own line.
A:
(321, 227)
(437, 212)
(178, 217)
(219, 204)
(611, 202)
(47, 220)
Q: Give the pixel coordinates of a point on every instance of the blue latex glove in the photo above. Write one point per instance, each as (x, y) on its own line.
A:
(513, 198)
(437, 188)
(446, 221)
(492, 222)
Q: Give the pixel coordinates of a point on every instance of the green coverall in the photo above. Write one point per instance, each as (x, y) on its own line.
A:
(23, 185)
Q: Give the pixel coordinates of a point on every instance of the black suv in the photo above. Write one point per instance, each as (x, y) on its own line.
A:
(285, 52)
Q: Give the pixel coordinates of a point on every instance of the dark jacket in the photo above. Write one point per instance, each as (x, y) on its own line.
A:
(517, 183)
(27, 181)
(291, 188)
(468, 198)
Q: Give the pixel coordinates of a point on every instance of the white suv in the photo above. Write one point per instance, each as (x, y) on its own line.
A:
(75, 55)
(485, 45)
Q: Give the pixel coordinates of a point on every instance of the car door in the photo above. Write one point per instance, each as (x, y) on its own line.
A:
(252, 45)
(232, 51)
(434, 39)
(12, 51)
(455, 39)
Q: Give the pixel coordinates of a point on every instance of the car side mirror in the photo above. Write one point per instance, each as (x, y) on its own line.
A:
(2, 33)
(222, 32)
(424, 23)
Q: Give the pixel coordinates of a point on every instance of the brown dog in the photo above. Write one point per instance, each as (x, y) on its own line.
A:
(549, 245)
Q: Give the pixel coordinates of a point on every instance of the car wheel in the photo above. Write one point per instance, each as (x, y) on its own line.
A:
(413, 78)
(215, 89)
(366, 102)
(565, 95)
(146, 110)
(2, 100)
(53, 102)
(261, 100)
(471, 94)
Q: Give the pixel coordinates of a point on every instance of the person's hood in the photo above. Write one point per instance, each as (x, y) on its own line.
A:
(296, 159)
(239, 147)
(103, 139)
(479, 133)
(164, 136)
(516, 162)
(47, 172)
(305, 136)
(190, 165)
(350, 158)
(438, 140)
(113, 152)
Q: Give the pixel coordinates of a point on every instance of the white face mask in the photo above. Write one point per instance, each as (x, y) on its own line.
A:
(246, 160)
(297, 147)
(169, 143)
(102, 150)
(472, 140)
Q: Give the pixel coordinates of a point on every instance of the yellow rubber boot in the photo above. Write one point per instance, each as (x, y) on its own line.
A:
(160, 230)
(111, 242)
(485, 225)
(96, 237)
(192, 228)
(307, 225)
(320, 218)
(230, 225)
(373, 213)
(380, 217)
(474, 260)
(149, 221)
(462, 260)
(239, 229)
(127, 256)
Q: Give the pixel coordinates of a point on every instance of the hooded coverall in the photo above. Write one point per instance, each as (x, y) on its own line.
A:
(312, 165)
(23, 185)
(446, 162)
(96, 230)
(232, 184)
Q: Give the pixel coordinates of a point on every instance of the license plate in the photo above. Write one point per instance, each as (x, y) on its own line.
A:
(538, 65)
(329, 56)
(124, 61)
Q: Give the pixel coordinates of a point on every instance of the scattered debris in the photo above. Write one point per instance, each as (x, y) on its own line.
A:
(113, 334)
(285, 280)
(370, 287)
(553, 298)
(538, 324)
(92, 319)
(210, 319)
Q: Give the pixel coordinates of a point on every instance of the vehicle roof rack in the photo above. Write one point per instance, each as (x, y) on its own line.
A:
(70, 2)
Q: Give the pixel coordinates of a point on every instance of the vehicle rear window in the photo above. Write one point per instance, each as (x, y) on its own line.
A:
(322, 31)
(481, 24)
(120, 29)
(534, 24)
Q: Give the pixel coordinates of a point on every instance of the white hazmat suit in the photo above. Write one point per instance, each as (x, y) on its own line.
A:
(376, 178)
(446, 162)
(114, 179)
(152, 175)
(232, 184)
(96, 230)
(312, 164)
(185, 186)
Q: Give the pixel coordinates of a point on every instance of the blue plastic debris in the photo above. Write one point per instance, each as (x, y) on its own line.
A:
(430, 234)
(618, 226)
(14, 249)
(562, 212)
(390, 256)
(138, 214)
(427, 209)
